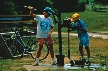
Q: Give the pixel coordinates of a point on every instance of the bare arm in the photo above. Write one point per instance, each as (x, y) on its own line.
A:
(52, 28)
(31, 11)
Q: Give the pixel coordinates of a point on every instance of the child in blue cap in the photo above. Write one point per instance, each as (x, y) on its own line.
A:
(45, 28)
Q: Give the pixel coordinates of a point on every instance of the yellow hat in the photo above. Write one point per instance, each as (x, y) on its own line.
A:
(75, 16)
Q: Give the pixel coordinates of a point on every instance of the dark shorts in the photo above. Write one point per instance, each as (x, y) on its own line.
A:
(49, 40)
(84, 40)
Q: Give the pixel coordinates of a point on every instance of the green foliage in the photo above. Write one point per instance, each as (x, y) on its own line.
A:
(37, 4)
(17, 6)
(68, 5)
(91, 0)
(82, 1)
(85, 1)
(8, 7)
(102, 1)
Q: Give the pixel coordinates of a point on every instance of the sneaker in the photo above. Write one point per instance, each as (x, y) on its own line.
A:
(36, 63)
(88, 63)
(54, 62)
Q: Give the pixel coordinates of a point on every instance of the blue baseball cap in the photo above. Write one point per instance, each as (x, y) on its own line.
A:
(48, 9)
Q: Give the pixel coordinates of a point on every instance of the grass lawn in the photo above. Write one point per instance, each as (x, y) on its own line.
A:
(99, 54)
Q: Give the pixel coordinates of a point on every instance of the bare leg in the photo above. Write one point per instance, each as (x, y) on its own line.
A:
(88, 51)
(38, 55)
(52, 54)
(51, 50)
(81, 51)
(39, 50)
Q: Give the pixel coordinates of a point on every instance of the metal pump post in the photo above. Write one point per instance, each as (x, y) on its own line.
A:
(60, 56)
